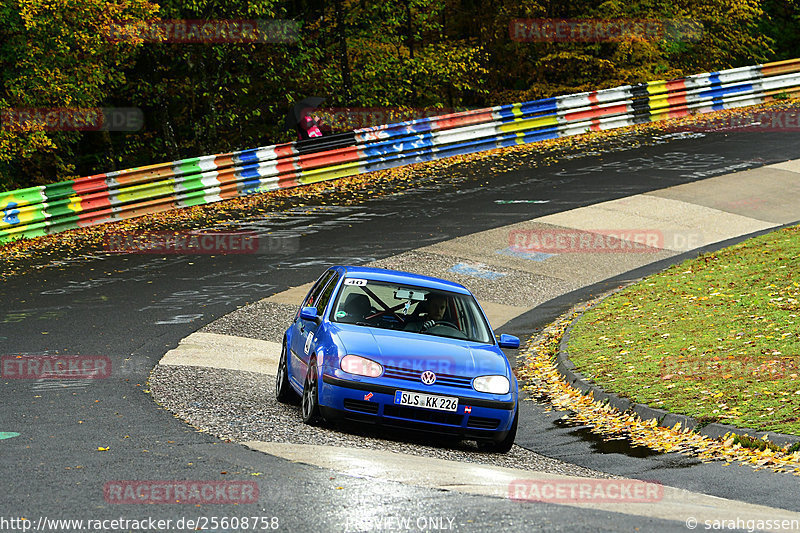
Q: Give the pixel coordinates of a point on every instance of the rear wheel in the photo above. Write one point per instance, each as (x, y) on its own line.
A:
(311, 414)
(502, 446)
(283, 390)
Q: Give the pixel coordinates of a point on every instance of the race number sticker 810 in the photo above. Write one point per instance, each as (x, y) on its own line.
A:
(355, 281)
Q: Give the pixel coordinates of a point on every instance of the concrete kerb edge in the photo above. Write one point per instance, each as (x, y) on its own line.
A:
(665, 418)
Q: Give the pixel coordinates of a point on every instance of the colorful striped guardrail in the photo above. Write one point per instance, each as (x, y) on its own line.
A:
(134, 192)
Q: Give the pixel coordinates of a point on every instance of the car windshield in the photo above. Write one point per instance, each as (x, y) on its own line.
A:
(404, 307)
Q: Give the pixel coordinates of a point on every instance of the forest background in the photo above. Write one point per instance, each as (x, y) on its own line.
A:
(408, 57)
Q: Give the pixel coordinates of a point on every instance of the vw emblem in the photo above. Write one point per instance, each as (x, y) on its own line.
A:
(428, 377)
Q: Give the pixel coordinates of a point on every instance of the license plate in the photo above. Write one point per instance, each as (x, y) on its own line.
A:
(425, 401)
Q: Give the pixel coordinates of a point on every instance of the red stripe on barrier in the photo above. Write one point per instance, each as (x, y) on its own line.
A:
(677, 113)
(331, 157)
(145, 174)
(286, 166)
(223, 161)
(90, 184)
(227, 184)
(92, 218)
(464, 118)
(284, 150)
(94, 195)
(676, 85)
(597, 112)
(95, 201)
(288, 181)
(676, 99)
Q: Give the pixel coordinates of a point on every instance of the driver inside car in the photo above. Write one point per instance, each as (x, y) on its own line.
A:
(435, 306)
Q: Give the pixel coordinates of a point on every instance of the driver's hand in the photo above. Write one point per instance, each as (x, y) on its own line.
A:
(428, 324)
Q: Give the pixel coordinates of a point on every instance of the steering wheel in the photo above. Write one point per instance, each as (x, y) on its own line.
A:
(444, 323)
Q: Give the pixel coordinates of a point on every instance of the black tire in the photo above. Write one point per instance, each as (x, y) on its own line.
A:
(502, 446)
(310, 401)
(284, 392)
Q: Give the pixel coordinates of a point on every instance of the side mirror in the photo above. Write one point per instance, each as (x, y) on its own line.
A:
(310, 313)
(508, 341)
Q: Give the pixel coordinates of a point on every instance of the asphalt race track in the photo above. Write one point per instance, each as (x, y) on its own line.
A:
(76, 437)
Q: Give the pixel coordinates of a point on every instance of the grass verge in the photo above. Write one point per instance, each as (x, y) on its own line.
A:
(541, 379)
(715, 338)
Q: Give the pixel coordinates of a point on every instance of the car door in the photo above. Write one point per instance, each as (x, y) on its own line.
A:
(311, 328)
(300, 328)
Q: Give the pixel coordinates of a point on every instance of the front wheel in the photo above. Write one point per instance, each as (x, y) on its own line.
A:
(311, 414)
(502, 446)
(283, 390)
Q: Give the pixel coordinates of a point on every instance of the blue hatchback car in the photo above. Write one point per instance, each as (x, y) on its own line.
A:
(399, 349)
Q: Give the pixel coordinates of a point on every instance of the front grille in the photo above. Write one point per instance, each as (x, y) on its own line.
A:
(479, 422)
(423, 415)
(361, 406)
(407, 374)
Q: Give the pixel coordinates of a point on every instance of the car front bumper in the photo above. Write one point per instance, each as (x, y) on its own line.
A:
(475, 418)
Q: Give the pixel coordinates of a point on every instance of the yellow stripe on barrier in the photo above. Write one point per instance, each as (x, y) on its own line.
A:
(323, 174)
(144, 191)
(528, 124)
(656, 87)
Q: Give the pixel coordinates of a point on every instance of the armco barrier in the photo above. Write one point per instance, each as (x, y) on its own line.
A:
(134, 192)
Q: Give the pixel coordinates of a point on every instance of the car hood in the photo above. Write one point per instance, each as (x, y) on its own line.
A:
(417, 351)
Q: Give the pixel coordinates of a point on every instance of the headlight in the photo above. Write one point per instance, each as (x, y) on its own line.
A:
(491, 384)
(361, 366)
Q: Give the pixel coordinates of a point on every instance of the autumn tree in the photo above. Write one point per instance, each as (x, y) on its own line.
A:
(56, 54)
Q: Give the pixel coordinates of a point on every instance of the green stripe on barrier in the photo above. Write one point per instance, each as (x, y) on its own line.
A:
(145, 191)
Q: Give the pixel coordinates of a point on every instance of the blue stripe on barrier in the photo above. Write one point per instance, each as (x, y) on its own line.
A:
(408, 127)
(541, 135)
(545, 106)
(399, 160)
(251, 186)
(250, 179)
(466, 147)
(246, 156)
(248, 171)
(722, 91)
(396, 145)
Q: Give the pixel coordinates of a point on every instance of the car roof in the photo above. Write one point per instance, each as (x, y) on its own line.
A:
(396, 276)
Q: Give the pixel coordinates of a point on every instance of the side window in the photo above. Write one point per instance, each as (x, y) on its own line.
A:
(313, 296)
(325, 297)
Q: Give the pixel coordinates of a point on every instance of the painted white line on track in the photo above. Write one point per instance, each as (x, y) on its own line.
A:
(213, 350)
